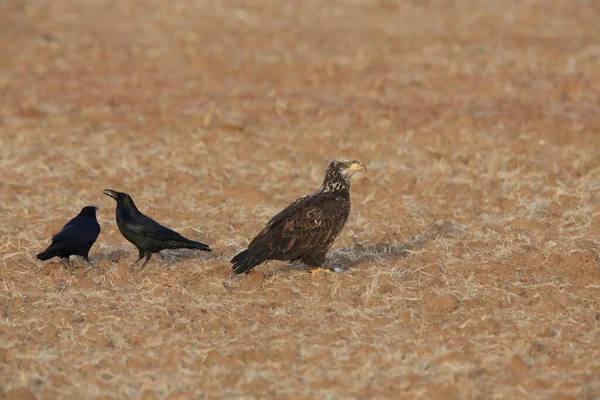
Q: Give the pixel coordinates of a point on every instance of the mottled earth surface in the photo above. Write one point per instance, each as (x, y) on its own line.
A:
(470, 258)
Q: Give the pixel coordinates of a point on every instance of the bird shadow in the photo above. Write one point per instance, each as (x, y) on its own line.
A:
(350, 257)
(168, 257)
(173, 256)
(345, 259)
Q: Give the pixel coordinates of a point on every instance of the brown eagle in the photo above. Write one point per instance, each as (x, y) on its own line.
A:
(306, 229)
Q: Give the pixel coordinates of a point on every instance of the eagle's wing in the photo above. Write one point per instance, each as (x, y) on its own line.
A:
(309, 222)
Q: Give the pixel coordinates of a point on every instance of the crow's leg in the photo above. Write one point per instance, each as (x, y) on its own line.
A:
(67, 260)
(86, 258)
(140, 256)
(148, 257)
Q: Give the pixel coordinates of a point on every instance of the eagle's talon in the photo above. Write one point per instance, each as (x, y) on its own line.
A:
(315, 271)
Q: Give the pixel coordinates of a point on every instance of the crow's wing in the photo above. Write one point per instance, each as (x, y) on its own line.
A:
(147, 227)
(78, 231)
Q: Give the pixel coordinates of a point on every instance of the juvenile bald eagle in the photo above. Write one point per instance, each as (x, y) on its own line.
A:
(306, 229)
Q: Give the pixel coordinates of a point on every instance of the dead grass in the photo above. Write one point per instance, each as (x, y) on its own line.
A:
(470, 258)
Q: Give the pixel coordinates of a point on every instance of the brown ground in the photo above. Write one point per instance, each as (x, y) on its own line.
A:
(472, 244)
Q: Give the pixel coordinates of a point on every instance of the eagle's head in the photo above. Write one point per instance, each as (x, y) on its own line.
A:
(347, 166)
(339, 172)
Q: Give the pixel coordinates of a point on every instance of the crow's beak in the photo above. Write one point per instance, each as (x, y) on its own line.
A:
(96, 208)
(358, 167)
(110, 193)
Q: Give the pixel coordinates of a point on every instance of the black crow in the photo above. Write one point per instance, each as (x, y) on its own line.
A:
(306, 229)
(146, 234)
(76, 238)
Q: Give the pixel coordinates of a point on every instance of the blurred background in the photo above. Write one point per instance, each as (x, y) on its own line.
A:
(136, 94)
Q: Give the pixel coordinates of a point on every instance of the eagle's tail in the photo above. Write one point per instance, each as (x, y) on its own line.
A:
(243, 263)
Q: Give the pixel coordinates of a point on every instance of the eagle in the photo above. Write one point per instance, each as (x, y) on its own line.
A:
(306, 229)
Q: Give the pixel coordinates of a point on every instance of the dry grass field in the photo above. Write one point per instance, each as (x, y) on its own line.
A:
(470, 258)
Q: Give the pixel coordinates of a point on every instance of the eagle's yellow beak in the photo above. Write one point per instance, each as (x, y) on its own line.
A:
(358, 167)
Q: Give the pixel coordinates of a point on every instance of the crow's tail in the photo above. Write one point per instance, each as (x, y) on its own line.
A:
(243, 263)
(188, 244)
(46, 254)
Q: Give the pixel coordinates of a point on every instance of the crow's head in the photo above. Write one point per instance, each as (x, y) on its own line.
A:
(89, 211)
(120, 197)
